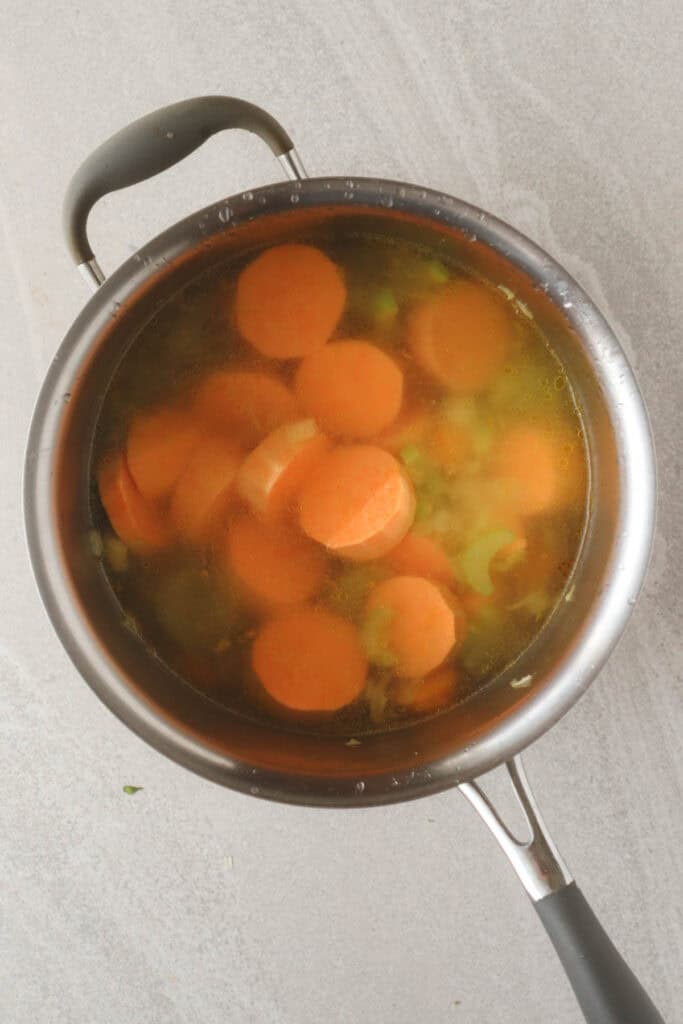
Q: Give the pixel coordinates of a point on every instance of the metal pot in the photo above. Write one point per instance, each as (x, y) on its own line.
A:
(451, 749)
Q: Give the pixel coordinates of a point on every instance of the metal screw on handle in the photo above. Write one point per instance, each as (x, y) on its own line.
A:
(152, 144)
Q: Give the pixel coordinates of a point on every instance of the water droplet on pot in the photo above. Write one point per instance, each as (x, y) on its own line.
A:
(360, 786)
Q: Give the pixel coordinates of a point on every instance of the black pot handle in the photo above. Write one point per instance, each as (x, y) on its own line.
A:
(151, 145)
(607, 991)
(606, 988)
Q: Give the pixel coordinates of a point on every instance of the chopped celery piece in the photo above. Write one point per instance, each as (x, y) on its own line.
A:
(375, 637)
(475, 560)
(536, 603)
(424, 509)
(511, 556)
(411, 455)
(384, 307)
(424, 473)
(377, 698)
(95, 543)
(436, 272)
(115, 554)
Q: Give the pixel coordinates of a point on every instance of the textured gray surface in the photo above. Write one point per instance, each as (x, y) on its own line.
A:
(186, 903)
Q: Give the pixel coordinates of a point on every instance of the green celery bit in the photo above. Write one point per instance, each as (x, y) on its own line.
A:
(375, 637)
(411, 456)
(115, 554)
(475, 560)
(377, 698)
(436, 272)
(536, 602)
(384, 307)
(424, 508)
(95, 543)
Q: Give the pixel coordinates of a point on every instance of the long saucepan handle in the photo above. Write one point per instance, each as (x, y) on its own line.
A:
(152, 144)
(606, 988)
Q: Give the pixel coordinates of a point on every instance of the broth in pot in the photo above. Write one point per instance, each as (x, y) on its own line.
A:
(340, 483)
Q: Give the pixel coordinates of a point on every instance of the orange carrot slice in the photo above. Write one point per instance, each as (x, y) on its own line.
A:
(133, 518)
(541, 470)
(417, 555)
(429, 694)
(351, 388)
(289, 300)
(245, 404)
(271, 475)
(204, 487)
(359, 503)
(310, 659)
(461, 336)
(275, 565)
(423, 625)
(158, 449)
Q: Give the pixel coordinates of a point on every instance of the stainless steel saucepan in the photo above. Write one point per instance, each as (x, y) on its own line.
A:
(450, 749)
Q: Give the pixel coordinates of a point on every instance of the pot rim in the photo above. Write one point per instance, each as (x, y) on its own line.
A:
(628, 560)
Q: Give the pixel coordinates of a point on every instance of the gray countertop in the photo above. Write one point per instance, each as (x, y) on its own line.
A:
(188, 903)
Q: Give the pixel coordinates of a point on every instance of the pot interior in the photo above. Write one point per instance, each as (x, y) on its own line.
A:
(280, 762)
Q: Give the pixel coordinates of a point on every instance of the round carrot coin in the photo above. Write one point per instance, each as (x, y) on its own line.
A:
(422, 624)
(134, 519)
(275, 565)
(271, 475)
(245, 404)
(204, 487)
(310, 659)
(289, 300)
(359, 503)
(461, 336)
(541, 470)
(351, 388)
(158, 449)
